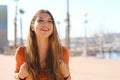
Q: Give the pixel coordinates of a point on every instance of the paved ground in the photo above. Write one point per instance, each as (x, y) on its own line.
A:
(81, 68)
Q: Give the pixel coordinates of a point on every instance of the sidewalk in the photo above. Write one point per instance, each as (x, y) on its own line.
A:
(94, 69)
(81, 68)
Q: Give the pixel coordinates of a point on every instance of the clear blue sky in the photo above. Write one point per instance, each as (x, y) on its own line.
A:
(103, 15)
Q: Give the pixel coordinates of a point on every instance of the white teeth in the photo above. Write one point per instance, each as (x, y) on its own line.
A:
(46, 29)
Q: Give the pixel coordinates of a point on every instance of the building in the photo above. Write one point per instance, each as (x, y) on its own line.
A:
(3, 28)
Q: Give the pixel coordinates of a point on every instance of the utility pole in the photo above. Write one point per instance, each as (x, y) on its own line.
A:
(68, 27)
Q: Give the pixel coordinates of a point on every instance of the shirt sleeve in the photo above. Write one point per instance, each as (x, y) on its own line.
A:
(19, 58)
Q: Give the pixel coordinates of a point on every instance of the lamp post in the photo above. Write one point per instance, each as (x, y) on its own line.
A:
(68, 27)
(85, 51)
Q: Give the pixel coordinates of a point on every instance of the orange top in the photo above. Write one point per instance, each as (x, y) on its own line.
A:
(20, 59)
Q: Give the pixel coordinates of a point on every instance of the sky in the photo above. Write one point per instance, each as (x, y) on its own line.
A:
(103, 16)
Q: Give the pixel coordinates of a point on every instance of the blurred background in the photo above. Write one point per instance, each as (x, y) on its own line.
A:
(88, 28)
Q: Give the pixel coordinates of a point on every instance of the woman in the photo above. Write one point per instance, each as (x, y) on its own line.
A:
(43, 57)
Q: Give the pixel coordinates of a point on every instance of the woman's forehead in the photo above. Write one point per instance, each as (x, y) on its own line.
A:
(42, 15)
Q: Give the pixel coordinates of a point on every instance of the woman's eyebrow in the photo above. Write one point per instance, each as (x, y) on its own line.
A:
(50, 19)
(40, 17)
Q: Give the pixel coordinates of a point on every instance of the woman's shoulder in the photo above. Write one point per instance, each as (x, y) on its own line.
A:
(21, 47)
(20, 51)
(65, 54)
(65, 49)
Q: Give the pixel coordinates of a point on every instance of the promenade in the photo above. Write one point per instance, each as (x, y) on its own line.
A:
(81, 68)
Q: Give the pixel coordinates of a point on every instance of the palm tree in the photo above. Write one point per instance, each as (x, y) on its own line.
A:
(21, 11)
(15, 24)
(68, 27)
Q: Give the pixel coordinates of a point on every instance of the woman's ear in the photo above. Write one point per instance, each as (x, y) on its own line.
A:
(32, 28)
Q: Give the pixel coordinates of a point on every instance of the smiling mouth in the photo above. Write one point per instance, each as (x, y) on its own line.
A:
(44, 29)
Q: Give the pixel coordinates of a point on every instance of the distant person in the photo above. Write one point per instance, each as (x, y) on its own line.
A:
(43, 57)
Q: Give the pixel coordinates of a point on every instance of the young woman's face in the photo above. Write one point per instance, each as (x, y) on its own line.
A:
(43, 25)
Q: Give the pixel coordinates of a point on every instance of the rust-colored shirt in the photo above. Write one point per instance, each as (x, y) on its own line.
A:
(20, 59)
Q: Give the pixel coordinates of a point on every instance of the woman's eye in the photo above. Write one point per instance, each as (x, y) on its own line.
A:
(39, 20)
(50, 21)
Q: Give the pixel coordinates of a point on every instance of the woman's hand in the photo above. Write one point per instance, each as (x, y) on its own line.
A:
(64, 69)
(23, 73)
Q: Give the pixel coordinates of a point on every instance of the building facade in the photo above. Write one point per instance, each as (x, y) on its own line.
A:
(3, 28)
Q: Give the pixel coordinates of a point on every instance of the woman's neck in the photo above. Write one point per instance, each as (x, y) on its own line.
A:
(42, 49)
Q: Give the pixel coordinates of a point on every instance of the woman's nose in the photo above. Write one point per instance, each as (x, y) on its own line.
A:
(45, 23)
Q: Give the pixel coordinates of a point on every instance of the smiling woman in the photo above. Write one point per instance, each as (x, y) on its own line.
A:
(43, 57)
(43, 25)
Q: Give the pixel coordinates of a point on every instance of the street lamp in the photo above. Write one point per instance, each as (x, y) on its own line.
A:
(85, 51)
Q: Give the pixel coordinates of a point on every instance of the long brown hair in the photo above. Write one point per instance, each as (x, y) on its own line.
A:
(53, 58)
